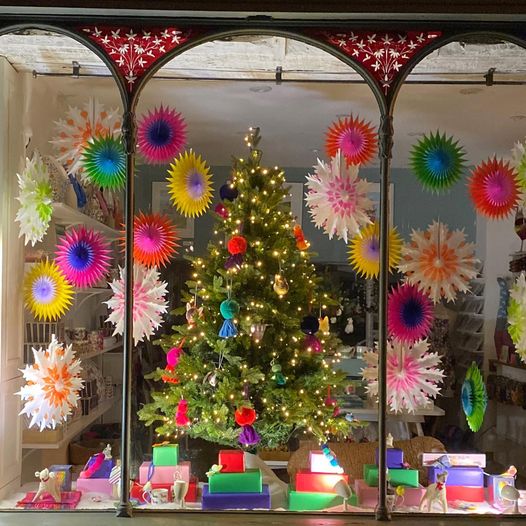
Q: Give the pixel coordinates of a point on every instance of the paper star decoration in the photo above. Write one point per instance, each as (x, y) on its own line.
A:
(47, 293)
(354, 137)
(474, 398)
(437, 161)
(104, 162)
(52, 385)
(83, 255)
(364, 251)
(519, 163)
(517, 315)
(439, 262)
(189, 184)
(35, 195)
(413, 375)
(161, 135)
(338, 199)
(149, 303)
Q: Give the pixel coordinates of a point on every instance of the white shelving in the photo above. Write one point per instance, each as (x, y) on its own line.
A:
(67, 216)
(98, 352)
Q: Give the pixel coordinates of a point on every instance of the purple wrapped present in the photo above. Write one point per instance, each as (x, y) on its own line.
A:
(395, 458)
(236, 501)
(458, 476)
(98, 467)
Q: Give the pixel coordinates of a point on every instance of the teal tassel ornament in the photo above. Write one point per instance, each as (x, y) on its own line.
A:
(229, 310)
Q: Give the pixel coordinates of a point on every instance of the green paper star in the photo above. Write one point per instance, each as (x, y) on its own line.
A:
(474, 397)
(104, 162)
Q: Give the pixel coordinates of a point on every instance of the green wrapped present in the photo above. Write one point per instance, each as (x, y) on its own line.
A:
(165, 454)
(396, 477)
(250, 481)
(304, 501)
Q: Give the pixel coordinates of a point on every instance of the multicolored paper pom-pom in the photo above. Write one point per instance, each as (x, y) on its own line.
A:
(236, 245)
(519, 163)
(104, 162)
(517, 315)
(474, 398)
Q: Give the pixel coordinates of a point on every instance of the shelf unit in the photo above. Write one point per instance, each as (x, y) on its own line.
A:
(98, 352)
(66, 216)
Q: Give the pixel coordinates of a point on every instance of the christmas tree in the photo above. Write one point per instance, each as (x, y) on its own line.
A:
(255, 368)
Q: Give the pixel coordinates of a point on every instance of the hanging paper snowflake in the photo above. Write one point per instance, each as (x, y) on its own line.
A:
(79, 128)
(338, 199)
(52, 385)
(364, 251)
(517, 315)
(413, 375)
(35, 196)
(83, 255)
(104, 162)
(149, 303)
(437, 161)
(154, 239)
(47, 294)
(439, 262)
(161, 135)
(409, 314)
(354, 137)
(519, 163)
(474, 398)
(494, 189)
(189, 184)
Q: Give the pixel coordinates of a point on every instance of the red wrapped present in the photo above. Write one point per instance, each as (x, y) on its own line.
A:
(232, 460)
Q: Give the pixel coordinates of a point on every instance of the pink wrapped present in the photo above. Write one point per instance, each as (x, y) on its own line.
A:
(87, 485)
(164, 474)
(368, 495)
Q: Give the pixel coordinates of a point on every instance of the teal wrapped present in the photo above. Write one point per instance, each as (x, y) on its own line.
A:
(165, 454)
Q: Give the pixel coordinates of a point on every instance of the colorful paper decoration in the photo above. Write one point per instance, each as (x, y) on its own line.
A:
(104, 162)
(519, 163)
(409, 313)
(79, 128)
(439, 262)
(437, 161)
(494, 188)
(364, 251)
(149, 303)
(52, 385)
(413, 375)
(181, 415)
(189, 184)
(35, 195)
(245, 417)
(83, 255)
(474, 398)
(47, 293)
(356, 139)
(236, 245)
(338, 200)
(517, 315)
(161, 135)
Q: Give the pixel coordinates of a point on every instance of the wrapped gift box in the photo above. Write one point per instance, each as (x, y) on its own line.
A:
(395, 458)
(306, 481)
(320, 464)
(232, 460)
(456, 459)
(63, 473)
(92, 485)
(303, 501)
(465, 493)
(248, 482)
(164, 474)
(166, 455)
(103, 472)
(368, 495)
(235, 501)
(495, 483)
(397, 477)
(458, 476)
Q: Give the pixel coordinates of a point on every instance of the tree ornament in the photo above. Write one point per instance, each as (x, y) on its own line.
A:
(474, 398)
(221, 210)
(301, 242)
(47, 293)
(161, 135)
(104, 162)
(312, 344)
(338, 200)
(83, 255)
(228, 192)
(364, 251)
(35, 195)
(331, 457)
(52, 385)
(413, 375)
(245, 416)
(281, 286)
(149, 302)
(168, 376)
(189, 184)
(181, 415)
(257, 330)
(229, 309)
(356, 139)
(494, 188)
(277, 375)
(439, 262)
(517, 315)
(310, 324)
(249, 436)
(437, 161)
(174, 355)
(237, 245)
(211, 378)
(193, 313)
(324, 325)
(409, 313)
(233, 261)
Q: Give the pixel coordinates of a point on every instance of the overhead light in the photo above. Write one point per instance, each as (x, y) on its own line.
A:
(260, 89)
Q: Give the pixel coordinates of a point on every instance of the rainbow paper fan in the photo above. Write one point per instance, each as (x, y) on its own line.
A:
(439, 262)
(154, 240)
(409, 314)
(364, 251)
(494, 189)
(413, 375)
(354, 137)
(161, 135)
(83, 256)
(189, 184)
(104, 162)
(517, 315)
(474, 398)
(437, 161)
(519, 163)
(47, 294)
(338, 199)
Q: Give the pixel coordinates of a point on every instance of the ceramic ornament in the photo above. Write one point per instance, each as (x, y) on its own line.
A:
(35, 195)
(149, 302)
(364, 251)
(338, 200)
(104, 162)
(52, 385)
(189, 184)
(494, 189)
(474, 398)
(161, 135)
(83, 255)
(413, 375)
(439, 262)
(517, 315)
(355, 138)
